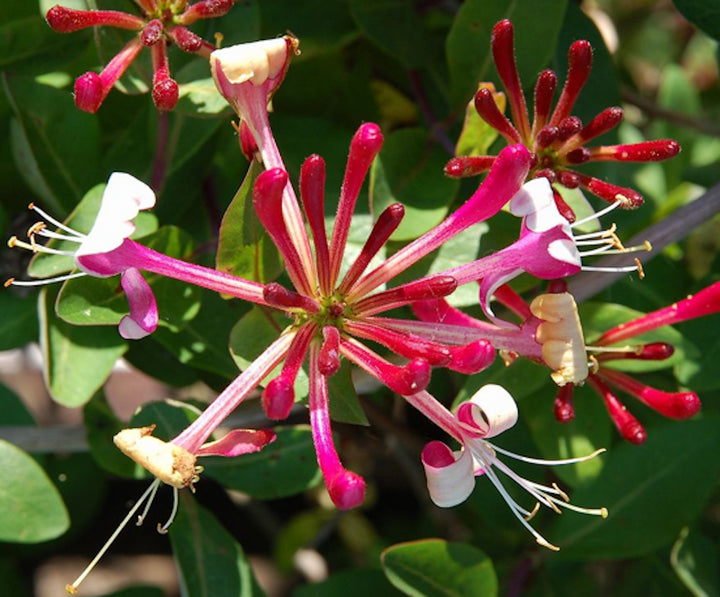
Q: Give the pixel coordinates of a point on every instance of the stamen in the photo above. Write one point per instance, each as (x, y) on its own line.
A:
(163, 529)
(599, 214)
(533, 512)
(544, 462)
(13, 282)
(618, 270)
(40, 230)
(141, 518)
(600, 233)
(35, 248)
(72, 588)
(54, 222)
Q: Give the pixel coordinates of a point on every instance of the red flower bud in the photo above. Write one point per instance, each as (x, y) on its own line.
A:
(490, 113)
(89, 92)
(463, 166)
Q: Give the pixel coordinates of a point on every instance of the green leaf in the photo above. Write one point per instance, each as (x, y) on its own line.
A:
(13, 410)
(590, 430)
(18, 325)
(101, 425)
(345, 405)
(56, 147)
(252, 334)
(32, 510)
(155, 360)
(202, 343)
(409, 171)
(283, 468)
(244, 247)
(350, 583)
(77, 359)
(198, 95)
(694, 557)
(650, 491)
(477, 135)
(537, 25)
(437, 568)
(210, 561)
(395, 27)
(704, 14)
(29, 45)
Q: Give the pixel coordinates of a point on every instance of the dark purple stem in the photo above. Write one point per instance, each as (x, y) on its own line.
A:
(160, 159)
(436, 128)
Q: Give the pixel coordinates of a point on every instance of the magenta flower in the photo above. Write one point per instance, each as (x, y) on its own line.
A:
(557, 139)
(175, 465)
(107, 251)
(547, 247)
(451, 474)
(160, 23)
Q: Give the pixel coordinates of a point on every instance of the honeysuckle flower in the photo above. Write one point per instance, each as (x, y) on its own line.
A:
(548, 248)
(451, 474)
(175, 464)
(161, 22)
(106, 250)
(557, 139)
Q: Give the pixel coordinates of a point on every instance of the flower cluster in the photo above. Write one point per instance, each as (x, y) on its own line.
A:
(161, 22)
(338, 311)
(557, 139)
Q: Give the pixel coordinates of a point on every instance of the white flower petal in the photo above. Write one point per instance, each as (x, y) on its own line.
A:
(565, 250)
(256, 61)
(492, 410)
(123, 198)
(535, 202)
(450, 476)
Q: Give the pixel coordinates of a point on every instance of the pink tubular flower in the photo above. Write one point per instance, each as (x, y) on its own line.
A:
(107, 251)
(175, 465)
(451, 474)
(547, 247)
(160, 24)
(557, 139)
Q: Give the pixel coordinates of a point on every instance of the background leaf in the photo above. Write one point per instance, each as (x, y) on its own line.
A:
(434, 567)
(32, 510)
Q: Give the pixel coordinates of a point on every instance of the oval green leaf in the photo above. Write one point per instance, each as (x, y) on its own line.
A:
(437, 568)
(32, 509)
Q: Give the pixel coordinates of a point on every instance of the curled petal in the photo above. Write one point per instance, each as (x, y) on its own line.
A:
(489, 412)
(238, 442)
(143, 318)
(450, 476)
